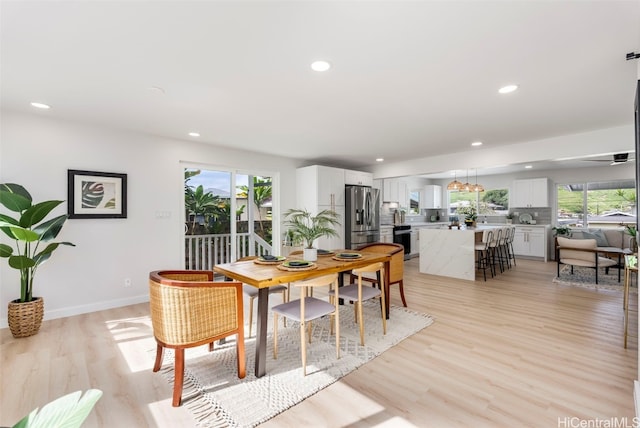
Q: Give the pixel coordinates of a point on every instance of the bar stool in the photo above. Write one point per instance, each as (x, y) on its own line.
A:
(494, 248)
(510, 252)
(483, 253)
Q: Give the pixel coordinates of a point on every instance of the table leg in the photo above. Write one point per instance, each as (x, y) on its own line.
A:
(387, 288)
(261, 331)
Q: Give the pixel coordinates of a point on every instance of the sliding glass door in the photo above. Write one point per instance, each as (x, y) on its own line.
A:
(228, 215)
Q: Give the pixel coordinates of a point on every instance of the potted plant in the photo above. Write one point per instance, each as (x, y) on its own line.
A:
(30, 232)
(307, 228)
(470, 214)
(509, 218)
(562, 231)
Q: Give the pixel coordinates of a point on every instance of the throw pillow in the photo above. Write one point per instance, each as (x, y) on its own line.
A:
(598, 235)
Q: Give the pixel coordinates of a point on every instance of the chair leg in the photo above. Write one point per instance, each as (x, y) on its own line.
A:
(159, 355)
(360, 322)
(384, 315)
(275, 336)
(401, 287)
(242, 361)
(178, 377)
(303, 348)
(285, 299)
(250, 314)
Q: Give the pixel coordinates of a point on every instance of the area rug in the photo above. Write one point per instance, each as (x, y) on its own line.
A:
(585, 277)
(216, 397)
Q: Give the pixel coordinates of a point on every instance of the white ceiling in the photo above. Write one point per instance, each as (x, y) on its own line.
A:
(409, 79)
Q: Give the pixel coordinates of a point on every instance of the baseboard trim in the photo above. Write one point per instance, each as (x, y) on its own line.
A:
(83, 309)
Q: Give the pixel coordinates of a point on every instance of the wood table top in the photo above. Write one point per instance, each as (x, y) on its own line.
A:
(261, 276)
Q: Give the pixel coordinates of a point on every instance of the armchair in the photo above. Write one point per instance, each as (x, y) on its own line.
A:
(581, 252)
(188, 309)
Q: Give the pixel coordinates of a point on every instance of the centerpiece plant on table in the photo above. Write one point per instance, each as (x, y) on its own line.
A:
(307, 228)
(32, 236)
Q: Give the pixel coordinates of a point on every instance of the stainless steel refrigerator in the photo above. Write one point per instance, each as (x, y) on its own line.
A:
(362, 216)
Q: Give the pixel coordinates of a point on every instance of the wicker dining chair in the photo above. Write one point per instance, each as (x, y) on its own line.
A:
(189, 309)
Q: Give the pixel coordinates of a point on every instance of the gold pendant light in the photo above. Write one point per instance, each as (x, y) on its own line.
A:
(467, 187)
(455, 184)
(478, 187)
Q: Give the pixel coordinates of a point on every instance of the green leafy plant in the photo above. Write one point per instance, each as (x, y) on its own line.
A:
(631, 229)
(28, 234)
(469, 212)
(562, 230)
(68, 411)
(307, 228)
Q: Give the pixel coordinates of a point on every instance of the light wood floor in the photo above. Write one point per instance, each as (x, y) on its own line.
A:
(516, 350)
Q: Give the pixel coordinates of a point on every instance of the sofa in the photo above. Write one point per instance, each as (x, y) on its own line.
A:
(594, 248)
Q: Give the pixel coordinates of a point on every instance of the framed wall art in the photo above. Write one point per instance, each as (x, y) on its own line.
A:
(92, 194)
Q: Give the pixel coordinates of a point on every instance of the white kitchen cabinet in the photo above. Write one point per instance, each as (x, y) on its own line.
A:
(319, 188)
(395, 190)
(530, 242)
(530, 193)
(431, 197)
(358, 178)
(415, 243)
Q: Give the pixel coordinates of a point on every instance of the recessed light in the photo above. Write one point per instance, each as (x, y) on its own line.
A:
(379, 159)
(194, 134)
(476, 143)
(508, 89)
(320, 66)
(156, 90)
(528, 166)
(40, 105)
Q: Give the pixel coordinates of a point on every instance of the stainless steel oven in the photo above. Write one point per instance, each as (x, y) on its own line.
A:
(402, 235)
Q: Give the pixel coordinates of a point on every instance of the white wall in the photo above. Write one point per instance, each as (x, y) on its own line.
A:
(36, 152)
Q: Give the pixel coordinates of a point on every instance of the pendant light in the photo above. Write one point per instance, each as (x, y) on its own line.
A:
(455, 184)
(467, 187)
(478, 187)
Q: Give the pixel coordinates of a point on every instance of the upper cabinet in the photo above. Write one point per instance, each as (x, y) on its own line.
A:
(530, 193)
(319, 186)
(431, 197)
(358, 178)
(395, 190)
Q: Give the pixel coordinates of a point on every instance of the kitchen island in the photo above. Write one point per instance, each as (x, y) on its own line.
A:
(450, 252)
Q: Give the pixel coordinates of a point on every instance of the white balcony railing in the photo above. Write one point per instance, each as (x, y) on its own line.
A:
(203, 252)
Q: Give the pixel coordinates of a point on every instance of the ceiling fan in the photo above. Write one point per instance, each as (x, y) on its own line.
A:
(617, 159)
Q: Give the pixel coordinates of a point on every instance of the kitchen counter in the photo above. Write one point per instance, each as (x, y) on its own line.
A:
(450, 252)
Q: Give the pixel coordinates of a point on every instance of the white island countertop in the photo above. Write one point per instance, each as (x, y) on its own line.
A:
(450, 252)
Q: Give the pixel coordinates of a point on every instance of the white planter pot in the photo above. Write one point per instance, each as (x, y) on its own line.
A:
(310, 254)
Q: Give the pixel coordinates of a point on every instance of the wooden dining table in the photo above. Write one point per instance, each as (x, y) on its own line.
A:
(264, 276)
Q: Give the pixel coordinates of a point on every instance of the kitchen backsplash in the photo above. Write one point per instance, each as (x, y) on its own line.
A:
(540, 215)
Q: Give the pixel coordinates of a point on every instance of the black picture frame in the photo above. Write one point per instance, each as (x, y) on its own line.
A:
(93, 194)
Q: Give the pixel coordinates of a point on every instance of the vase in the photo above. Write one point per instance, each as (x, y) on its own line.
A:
(310, 254)
(25, 318)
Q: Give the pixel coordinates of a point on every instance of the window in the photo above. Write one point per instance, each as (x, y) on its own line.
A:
(606, 204)
(414, 202)
(494, 202)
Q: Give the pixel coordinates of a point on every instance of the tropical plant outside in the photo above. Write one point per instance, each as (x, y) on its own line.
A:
(207, 213)
(28, 234)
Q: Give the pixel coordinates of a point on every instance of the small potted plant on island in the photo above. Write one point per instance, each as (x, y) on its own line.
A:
(307, 228)
(470, 214)
(25, 314)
